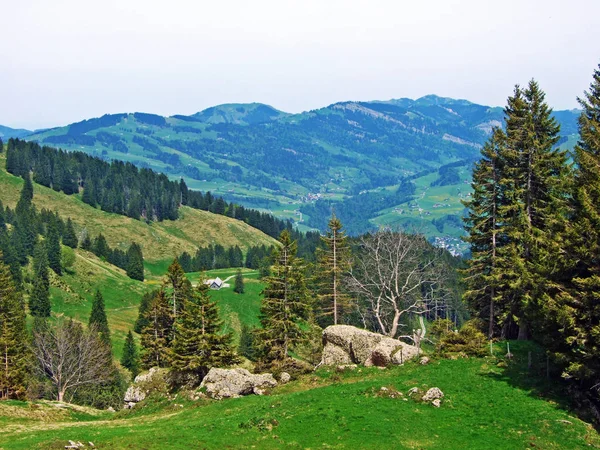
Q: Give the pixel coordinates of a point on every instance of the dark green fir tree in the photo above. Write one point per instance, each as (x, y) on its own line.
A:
(98, 318)
(69, 237)
(14, 350)
(53, 248)
(239, 282)
(130, 359)
(135, 262)
(39, 299)
(198, 343)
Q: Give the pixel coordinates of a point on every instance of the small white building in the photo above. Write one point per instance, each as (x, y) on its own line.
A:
(216, 284)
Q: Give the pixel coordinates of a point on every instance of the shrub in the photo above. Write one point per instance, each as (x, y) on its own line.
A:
(469, 340)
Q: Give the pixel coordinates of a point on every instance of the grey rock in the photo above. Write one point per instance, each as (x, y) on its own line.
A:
(134, 394)
(424, 361)
(345, 344)
(284, 378)
(433, 394)
(437, 403)
(231, 383)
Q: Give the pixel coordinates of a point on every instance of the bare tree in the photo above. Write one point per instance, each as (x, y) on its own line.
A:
(71, 357)
(393, 275)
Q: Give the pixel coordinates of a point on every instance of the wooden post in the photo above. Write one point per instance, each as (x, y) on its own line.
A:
(491, 348)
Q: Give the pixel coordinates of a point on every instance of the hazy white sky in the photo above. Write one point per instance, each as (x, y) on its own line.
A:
(66, 60)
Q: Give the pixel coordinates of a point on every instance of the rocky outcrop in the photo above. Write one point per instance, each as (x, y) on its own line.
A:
(143, 384)
(232, 383)
(345, 344)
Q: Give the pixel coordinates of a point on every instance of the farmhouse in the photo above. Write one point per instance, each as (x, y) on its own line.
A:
(216, 284)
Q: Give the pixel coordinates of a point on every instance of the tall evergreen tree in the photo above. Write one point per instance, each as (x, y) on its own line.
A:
(39, 299)
(135, 262)
(535, 184)
(571, 310)
(239, 282)
(9, 257)
(14, 353)
(246, 347)
(198, 343)
(333, 260)
(100, 247)
(157, 335)
(284, 304)
(142, 320)
(53, 248)
(69, 236)
(130, 359)
(26, 224)
(98, 318)
(179, 286)
(483, 225)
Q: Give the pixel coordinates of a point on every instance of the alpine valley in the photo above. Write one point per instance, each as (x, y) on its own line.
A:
(400, 163)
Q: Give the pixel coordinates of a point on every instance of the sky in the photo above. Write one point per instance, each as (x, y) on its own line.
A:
(63, 61)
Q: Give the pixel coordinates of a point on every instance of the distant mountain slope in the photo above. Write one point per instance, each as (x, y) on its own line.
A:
(239, 114)
(160, 241)
(357, 154)
(7, 132)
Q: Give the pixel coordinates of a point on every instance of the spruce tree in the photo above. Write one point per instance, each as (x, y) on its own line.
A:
(98, 318)
(239, 282)
(483, 225)
(9, 257)
(571, 310)
(100, 247)
(14, 351)
(178, 285)
(130, 358)
(198, 343)
(333, 260)
(284, 304)
(39, 299)
(69, 237)
(135, 262)
(157, 335)
(53, 248)
(25, 223)
(142, 320)
(246, 347)
(535, 186)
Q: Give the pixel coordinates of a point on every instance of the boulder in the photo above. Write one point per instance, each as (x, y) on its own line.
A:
(345, 344)
(134, 394)
(143, 384)
(232, 383)
(284, 377)
(433, 394)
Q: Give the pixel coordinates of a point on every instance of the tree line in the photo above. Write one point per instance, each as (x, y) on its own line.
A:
(533, 225)
(122, 188)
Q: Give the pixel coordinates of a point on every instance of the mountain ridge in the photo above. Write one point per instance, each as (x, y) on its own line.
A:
(347, 153)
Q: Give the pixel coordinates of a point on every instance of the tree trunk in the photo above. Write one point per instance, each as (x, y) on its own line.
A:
(523, 331)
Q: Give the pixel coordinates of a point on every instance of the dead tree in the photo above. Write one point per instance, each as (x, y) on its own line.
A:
(393, 275)
(70, 357)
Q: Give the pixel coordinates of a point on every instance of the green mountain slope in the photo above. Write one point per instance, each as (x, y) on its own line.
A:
(7, 132)
(72, 293)
(287, 164)
(160, 241)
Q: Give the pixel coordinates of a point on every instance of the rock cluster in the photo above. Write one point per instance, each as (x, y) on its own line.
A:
(345, 344)
(141, 387)
(232, 383)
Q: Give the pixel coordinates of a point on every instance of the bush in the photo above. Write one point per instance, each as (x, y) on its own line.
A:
(102, 396)
(469, 340)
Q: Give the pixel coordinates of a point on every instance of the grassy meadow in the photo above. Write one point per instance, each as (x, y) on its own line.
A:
(489, 403)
